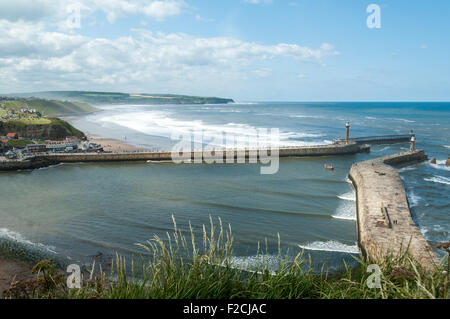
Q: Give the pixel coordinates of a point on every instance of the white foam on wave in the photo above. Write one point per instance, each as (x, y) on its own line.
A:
(306, 116)
(161, 123)
(50, 166)
(440, 164)
(16, 237)
(351, 195)
(384, 149)
(346, 209)
(409, 168)
(331, 245)
(413, 198)
(255, 263)
(438, 179)
(243, 103)
(402, 120)
(426, 230)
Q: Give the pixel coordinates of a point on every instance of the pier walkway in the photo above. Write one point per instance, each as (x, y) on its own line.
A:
(295, 151)
(382, 139)
(46, 159)
(384, 223)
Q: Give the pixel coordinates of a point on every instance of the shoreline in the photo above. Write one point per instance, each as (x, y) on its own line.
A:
(114, 145)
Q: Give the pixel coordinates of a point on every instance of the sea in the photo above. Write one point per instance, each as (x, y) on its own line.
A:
(74, 213)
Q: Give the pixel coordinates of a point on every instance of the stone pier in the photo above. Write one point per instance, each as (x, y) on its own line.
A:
(41, 160)
(384, 223)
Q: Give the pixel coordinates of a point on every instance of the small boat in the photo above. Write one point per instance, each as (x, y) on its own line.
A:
(328, 167)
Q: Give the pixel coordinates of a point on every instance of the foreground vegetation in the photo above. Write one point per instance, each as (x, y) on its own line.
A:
(178, 268)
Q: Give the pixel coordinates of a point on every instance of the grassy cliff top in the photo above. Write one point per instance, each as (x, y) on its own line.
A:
(125, 98)
(46, 107)
(40, 128)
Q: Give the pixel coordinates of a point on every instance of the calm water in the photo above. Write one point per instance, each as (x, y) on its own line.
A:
(72, 212)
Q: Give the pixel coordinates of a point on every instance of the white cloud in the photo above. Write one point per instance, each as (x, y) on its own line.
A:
(31, 55)
(202, 19)
(258, 1)
(58, 10)
(26, 9)
(263, 73)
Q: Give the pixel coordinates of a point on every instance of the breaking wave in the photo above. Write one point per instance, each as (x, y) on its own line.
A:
(161, 123)
(413, 198)
(15, 238)
(345, 210)
(438, 179)
(348, 196)
(440, 164)
(331, 245)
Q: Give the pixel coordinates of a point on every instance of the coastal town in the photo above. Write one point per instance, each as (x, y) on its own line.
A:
(15, 146)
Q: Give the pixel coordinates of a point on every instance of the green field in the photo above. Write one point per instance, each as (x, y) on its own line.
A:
(35, 121)
(49, 107)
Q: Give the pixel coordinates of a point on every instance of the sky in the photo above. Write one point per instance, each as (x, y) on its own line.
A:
(248, 50)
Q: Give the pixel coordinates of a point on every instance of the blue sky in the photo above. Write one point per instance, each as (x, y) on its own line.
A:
(294, 50)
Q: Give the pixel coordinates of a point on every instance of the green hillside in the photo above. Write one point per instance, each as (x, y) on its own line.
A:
(48, 107)
(124, 98)
(45, 129)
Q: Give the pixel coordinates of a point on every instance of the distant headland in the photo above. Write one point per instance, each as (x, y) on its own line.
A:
(121, 98)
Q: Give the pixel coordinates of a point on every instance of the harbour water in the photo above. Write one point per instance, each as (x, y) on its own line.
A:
(73, 212)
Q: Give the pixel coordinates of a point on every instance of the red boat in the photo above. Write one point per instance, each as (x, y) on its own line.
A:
(328, 167)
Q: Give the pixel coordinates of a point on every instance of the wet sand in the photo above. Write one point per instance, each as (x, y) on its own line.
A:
(113, 145)
(12, 270)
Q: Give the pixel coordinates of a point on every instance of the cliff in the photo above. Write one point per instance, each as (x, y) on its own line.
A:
(50, 129)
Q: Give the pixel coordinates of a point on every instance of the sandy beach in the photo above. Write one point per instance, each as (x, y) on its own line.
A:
(113, 145)
(12, 270)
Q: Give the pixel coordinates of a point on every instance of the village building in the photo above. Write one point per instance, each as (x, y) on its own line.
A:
(65, 145)
(36, 148)
(12, 136)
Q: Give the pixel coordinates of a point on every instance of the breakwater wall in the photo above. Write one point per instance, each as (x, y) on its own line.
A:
(26, 164)
(42, 160)
(384, 222)
(383, 139)
(301, 151)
